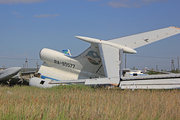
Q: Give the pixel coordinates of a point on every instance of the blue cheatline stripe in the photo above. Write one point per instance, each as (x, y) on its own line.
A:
(44, 77)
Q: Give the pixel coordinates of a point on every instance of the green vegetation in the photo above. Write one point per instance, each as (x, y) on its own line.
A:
(84, 102)
(175, 71)
(153, 72)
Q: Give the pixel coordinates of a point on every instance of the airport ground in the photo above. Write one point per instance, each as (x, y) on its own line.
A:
(84, 102)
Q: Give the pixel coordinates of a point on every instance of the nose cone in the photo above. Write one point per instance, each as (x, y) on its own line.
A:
(134, 52)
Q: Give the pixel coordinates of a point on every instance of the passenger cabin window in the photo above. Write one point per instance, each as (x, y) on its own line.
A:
(135, 74)
(42, 82)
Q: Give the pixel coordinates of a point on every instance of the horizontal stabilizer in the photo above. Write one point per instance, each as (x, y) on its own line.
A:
(99, 41)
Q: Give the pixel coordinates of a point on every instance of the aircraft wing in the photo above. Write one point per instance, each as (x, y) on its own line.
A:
(138, 40)
(170, 81)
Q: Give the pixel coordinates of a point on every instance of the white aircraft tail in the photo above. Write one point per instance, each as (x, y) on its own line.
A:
(101, 63)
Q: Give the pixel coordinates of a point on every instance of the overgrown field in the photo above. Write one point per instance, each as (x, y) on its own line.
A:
(83, 102)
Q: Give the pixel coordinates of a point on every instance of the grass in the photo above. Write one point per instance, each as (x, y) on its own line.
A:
(84, 102)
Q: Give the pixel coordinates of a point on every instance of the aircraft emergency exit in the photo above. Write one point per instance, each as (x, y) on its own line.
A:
(101, 63)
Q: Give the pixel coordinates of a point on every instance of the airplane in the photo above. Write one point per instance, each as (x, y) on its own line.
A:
(101, 63)
(7, 75)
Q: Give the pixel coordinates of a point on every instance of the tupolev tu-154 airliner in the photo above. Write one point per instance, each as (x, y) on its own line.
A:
(101, 63)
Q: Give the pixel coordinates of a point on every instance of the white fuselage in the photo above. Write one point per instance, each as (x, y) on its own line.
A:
(58, 66)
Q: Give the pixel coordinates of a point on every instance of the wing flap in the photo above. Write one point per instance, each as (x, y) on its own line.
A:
(90, 81)
(68, 81)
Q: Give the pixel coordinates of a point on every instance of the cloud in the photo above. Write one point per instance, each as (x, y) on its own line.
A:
(117, 4)
(94, 0)
(131, 3)
(151, 0)
(17, 14)
(19, 1)
(46, 16)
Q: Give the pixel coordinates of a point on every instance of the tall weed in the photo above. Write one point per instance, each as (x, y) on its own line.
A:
(84, 102)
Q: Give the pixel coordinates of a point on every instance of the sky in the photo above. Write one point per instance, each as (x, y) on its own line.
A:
(27, 26)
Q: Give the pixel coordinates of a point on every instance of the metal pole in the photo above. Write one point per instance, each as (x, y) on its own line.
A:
(178, 63)
(125, 60)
